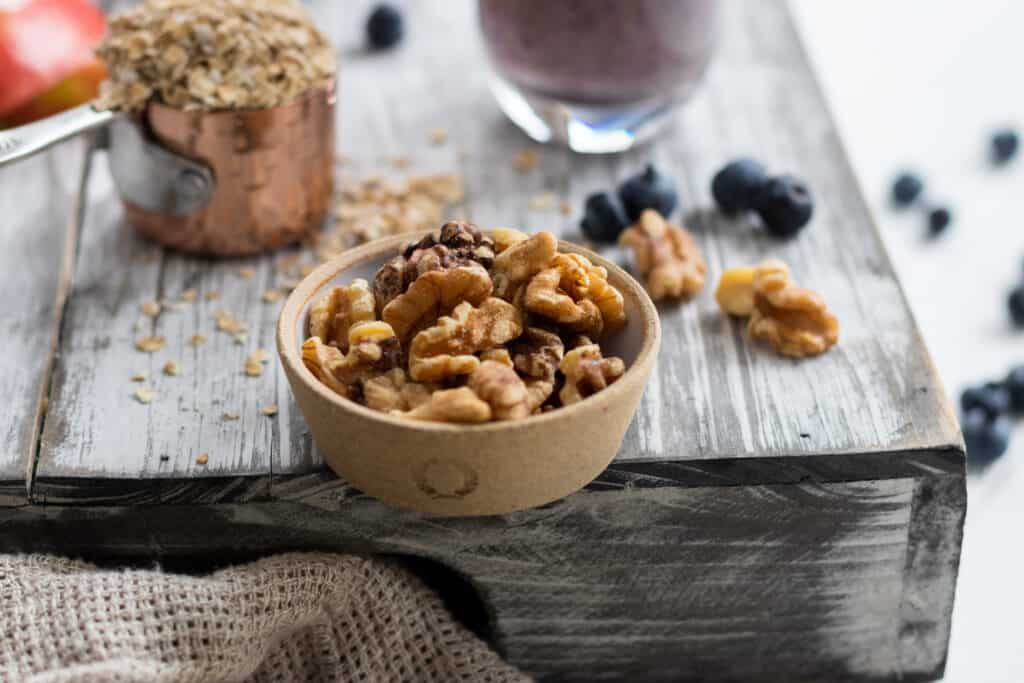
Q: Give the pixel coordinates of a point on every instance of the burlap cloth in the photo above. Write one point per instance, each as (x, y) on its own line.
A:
(298, 617)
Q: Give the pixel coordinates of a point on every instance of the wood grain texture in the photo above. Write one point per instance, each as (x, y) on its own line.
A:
(713, 397)
(781, 582)
(38, 206)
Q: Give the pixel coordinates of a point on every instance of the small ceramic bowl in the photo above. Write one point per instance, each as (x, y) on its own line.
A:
(468, 470)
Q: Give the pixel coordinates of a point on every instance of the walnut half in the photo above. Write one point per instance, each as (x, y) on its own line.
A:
(587, 372)
(794, 320)
(666, 255)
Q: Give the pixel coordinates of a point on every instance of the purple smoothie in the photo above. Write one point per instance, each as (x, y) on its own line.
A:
(600, 51)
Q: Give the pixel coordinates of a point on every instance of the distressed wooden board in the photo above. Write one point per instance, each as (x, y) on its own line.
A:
(713, 397)
(38, 203)
(777, 582)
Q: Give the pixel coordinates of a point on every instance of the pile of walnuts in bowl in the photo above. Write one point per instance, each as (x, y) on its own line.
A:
(467, 327)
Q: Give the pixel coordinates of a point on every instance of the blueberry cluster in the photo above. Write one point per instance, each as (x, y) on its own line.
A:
(908, 190)
(606, 214)
(384, 27)
(783, 202)
(986, 411)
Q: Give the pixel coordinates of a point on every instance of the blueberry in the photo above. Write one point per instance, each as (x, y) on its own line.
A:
(939, 219)
(650, 189)
(385, 27)
(986, 438)
(785, 205)
(992, 398)
(906, 188)
(1004, 145)
(1016, 305)
(735, 186)
(603, 217)
(1014, 384)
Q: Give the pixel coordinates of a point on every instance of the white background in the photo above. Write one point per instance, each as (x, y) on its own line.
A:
(920, 84)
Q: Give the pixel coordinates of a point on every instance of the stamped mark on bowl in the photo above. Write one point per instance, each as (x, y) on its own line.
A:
(448, 479)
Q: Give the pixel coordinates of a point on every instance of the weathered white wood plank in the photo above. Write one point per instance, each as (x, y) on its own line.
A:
(714, 395)
(38, 205)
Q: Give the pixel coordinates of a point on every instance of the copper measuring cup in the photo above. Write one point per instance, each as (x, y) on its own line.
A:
(222, 183)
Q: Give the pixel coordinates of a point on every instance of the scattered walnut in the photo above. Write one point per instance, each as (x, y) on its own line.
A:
(394, 391)
(460, 405)
(434, 294)
(502, 389)
(332, 316)
(544, 297)
(537, 353)
(150, 344)
(795, 321)
(666, 256)
(735, 291)
(587, 372)
(447, 349)
(514, 266)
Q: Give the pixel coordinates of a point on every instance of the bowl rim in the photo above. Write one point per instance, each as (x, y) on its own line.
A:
(291, 357)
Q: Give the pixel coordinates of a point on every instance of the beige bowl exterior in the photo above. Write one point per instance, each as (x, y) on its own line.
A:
(466, 470)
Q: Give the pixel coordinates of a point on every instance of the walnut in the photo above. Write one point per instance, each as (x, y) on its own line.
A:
(607, 299)
(514, 266)
(587, 372)
(319, 358)
(735, 291)
(795, 321)
(435, 294)
(373, 349)
(506, 237)
(537, 353)
(538, 391)
(666, 256)
(447, 348)
(545, 297)
(394, 391)
(459, 243)
(331, 317)
(498, 356)
(502, 389)
(460, 405)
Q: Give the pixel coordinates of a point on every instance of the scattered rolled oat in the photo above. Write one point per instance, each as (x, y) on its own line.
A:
(203, 458)
(371, 208)
(228, 323)
(306, 269)
(212, 54)
(342, 160)
(212, 296)
(270, 410)
(171, 368)
(271, 296)
(289, 285)
(197, 340)
(246, 272)
(150, 308)
(438, 136)
(139, 377)
(253, 368)
(260, 356)
(144, 394)
(543, 202)
(400, 162)
(526, 160)
(565, 208)
(231, 416)
(189, 295)
(150, 344)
